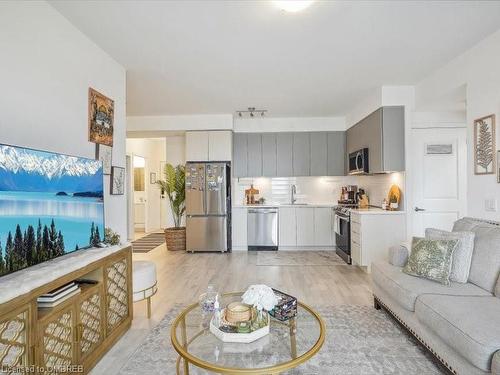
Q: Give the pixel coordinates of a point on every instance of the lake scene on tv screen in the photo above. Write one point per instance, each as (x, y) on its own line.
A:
(50, 205)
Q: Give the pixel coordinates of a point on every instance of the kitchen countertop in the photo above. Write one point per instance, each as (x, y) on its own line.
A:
(375, 211)
(362, 211)
(277, 205)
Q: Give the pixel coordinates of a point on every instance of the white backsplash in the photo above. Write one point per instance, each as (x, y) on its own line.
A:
(316, 190)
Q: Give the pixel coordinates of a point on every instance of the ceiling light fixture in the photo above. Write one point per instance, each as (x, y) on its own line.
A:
(251, 112)
(293, 6)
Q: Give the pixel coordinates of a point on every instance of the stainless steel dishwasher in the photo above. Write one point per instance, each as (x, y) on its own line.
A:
(262, 228)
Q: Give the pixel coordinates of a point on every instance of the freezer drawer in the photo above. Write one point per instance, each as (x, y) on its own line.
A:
(206, 233)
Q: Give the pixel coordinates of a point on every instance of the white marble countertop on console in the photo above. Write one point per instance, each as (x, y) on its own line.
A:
(277, 205)
(375, 211)
(24, 281)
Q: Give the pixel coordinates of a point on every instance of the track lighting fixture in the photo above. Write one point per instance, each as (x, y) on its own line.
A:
(251, 112)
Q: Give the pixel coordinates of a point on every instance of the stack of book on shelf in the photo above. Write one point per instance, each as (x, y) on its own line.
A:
(58, 295)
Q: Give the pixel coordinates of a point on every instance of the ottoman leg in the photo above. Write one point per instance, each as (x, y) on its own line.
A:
(149, 307)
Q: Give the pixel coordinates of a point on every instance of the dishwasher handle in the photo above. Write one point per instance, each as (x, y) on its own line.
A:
(260, 211)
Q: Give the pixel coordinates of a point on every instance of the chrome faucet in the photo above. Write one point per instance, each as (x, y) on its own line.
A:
(293, 191)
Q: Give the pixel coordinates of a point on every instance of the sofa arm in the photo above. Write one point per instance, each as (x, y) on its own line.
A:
(495, 363)
(398, 255)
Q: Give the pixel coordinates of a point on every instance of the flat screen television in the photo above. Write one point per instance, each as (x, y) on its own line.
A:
(50, 204)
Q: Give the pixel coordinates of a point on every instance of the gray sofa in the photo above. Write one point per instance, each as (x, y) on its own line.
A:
(460, 323)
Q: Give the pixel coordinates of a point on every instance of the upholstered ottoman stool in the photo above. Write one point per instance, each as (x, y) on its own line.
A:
(144, 281)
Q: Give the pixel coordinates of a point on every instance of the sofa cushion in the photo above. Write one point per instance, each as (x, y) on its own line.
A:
(405, 288)
(497, 288)
(431, 259)
(470, 325)
(485, 265)
(462, 256)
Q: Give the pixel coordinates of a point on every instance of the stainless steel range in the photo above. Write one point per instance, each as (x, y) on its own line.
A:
(343, 230)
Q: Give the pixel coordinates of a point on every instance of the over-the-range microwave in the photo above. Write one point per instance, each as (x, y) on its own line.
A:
(358, 162)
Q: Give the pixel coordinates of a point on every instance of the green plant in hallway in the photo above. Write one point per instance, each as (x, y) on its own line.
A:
(174, 188)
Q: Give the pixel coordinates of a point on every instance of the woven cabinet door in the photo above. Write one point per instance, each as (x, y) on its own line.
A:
(90, 327)
(117, 285)
(58, 341)
(14, 339)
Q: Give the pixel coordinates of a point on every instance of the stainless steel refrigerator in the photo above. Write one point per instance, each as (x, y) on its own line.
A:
(208, 206)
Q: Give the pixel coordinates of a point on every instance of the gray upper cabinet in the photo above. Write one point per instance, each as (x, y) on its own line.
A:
(240, 155)
(393, 138)
(319, 154)
(336, 164)
(301, 154)
(269, 155)
(382, 132)
(254, 155)
(284, 154)
(289, 154)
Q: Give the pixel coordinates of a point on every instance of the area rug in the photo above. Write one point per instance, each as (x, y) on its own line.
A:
(359, 341)
(299, 258)
(147, 243)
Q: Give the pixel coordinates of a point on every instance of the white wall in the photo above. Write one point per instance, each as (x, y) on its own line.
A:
(288, 124)
(479, 70)
(153, 150)
(175, 148)
(46, 68)
(182, 122)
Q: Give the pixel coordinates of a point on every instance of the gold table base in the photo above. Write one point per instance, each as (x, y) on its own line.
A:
(186, 358)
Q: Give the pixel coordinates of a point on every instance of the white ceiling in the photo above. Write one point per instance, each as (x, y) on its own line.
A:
(187, 57)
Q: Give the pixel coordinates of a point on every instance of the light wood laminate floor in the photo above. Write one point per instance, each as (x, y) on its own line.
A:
(183, 277)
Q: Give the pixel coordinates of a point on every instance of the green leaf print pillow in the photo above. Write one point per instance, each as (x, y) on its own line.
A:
(431, 259)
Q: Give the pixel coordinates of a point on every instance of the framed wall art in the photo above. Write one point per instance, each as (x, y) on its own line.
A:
(117, 181)
(104, 154)
(484, 145)
(101, 118)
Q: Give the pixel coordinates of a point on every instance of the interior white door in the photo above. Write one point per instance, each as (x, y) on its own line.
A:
(439, 165)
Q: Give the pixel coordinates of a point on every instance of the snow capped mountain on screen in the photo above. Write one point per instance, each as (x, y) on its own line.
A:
(31, 170)
(15, 159)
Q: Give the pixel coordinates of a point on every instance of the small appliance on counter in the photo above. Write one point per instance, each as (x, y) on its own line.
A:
(348, 195)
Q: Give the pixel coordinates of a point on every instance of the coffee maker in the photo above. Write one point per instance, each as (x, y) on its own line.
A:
(349, 195)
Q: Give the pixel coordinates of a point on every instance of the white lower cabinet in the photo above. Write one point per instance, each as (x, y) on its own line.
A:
(302, 228)
(323, 231)
(239, 228)
(373, 234)
(305, 226)
(287, 227)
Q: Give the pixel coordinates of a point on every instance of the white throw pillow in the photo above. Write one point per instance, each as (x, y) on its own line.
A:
(462, 256)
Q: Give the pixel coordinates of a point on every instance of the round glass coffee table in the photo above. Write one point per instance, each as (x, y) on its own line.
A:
(288, 344)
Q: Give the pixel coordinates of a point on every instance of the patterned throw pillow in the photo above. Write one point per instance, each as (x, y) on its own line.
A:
(462, 256)
(431, 259)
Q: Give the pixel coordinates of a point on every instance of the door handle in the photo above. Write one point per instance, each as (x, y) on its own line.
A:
(418, 209)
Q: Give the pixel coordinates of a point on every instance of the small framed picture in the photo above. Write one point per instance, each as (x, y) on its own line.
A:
(152, 178)
(484, 145)
(104, 154)
(117, 181)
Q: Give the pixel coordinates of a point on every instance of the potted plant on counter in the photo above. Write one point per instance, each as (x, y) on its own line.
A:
(174, 187)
